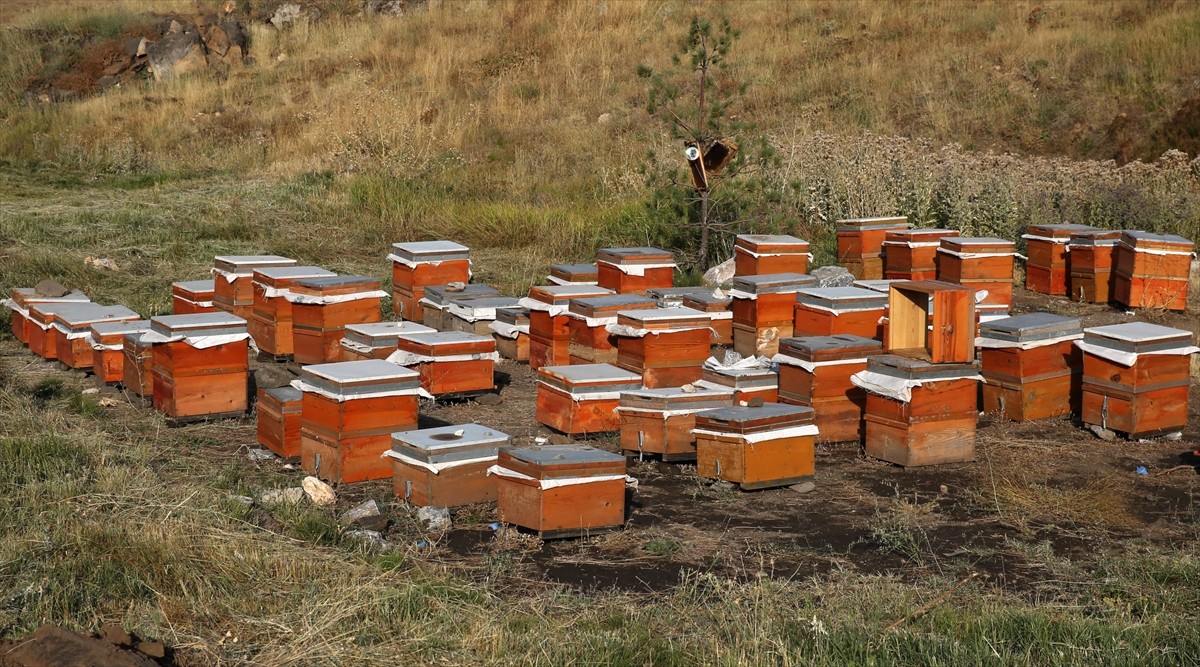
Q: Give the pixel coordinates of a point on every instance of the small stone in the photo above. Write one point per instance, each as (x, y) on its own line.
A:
(1101, 432)
(435, 518)
(290, 496)
(272, 377)
(320, 493)
(109, 402)
(259, 454)
(1176, 436)
(50, 288)
(154, 650)
(354, 515)
(730, 358)
(688, 388)
(373, 539)
(756, 402)
(115, 634)
(90, 390)
(833, 276)
(943, 489)
(803, 487)
(722, 485)
(489, 399)
(604, 118)
(720, 274)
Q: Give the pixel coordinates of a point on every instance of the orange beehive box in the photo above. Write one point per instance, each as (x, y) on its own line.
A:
(590, 342)
(720, 312)
(476, 314)
(510, 330)
(764, 309)
(420, 264)
(634, 270)
(815, 371)
(278, 420)
(72, 330)
(560, 490)
(660, 421)
(1135, 378)
(549, 324)
(435, 305)
(756, 447)
(573, 274)
(667, 346)
(193, 296)
(1048, 263)
(39, 327)
(860, 244)
(912, 254)
(582, 398)
(108, 347)
(200, 364)
(931, 320)
(983, 264)
(321, 309)
(446, 466)
(759, 254)
(912, 424)
(233, 281)
(758, 382)
(1152, 270)
(348, 414)
(270, 323)
(137, 367)
(376, 340)
(1030, 365)
(24, 297)
(828, 311)
(1092, 257)
(450, 362)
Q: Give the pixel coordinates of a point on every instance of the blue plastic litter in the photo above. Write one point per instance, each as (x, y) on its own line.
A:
(1141, 470)
(495, 525)
(421, 544)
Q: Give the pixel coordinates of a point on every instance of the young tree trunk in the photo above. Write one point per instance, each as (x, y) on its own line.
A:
(703, 252)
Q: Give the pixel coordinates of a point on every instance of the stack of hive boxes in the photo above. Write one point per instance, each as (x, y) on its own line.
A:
(200, 365)
(981, 263)
(321, 310)
(758, 254)
(860, 244)
(510, 330)
(590, 341)
(764, 310)
(192, 296)
(475, 314)
(1092, 257)
(582, 398)
(233, 281)
(1048, 265)
(560, 490)
(449, 362)
(756, 447)
(815, 372)
(828, 311)
(278, 420)
(376, 340)
(421, 264)
(1151, 270)
(270, 323)
(24, 297)
(549, 324)
(660, 421)
(446, 466)
(1030, 366)
(666, 346)
(634, 270)
(912, 254)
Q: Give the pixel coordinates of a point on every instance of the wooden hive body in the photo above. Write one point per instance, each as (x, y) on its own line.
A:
(931, 320)
(233, 281)
(39, 326)
(271, 322)
(420, 264)
(860, 244)
(912, 254)
(590, 342)
(660, 421)
(935, 425)
(582, 398)
(983, 264)
(476, 314)
(375, 340)
(190, 297)
(1048, 264)
(191, 382)
(137, 367)
(764, 310)
(674, 351)
(560, 490)
(574, 274)
(1145, 397)
(278, 420)
(513, 343)
(1034, 382)
(108, 347)
(747, 384)
(349, 412)
(23, 297)
(450, 362)
(815, 372)
(72, 329)
(720, 313)
(1151, 270)
(829, 311)
(758, 254)
(318, 328)
(446, 466)
(438, 298)
(634, 270)
(756, 447)
(1092, 257)
(549, 324)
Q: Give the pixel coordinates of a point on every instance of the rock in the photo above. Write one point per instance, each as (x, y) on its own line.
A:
(803, 487)
(366, 516)
(320, 493)
(833, 276)
(285, 15)
(90, 390)
(115, 634)
(1101, 432)
(489, 399)
(372, 538)
(730, 358)
(260, 454)
(154, 650)
(176, 54)
(289, 496)
(135, 46)
(109, 402)
(722, 485)
(720, 274)
(604, 119)
(756, 402)
(271, 377)
(435, 518)
(172, 27)
(50, 288)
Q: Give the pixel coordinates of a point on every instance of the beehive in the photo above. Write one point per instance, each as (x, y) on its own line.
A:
(590, 342)
(931, 320)
(189, 297)
(72, 330)
(137, 366)
(24, 297)
(753, 383)
(449, 362)
(510, 330)
(719, 308)
(666, 346)
(420, 264)
(573, 274)
(815, 371)
(1030, 366)
(560, 490)
(582, 398)
(761, 254)
(660, 421)
(108, 347)
(983, 264)
(446, 466)
(1048, 265)
(200, 364)
(828, 311)
(39, 326)
(349, 411)
(634, 270)
(1092, 257)
(1152, 270)
(321, 310)
(912, 254)
(278, 420)
(271, 321)
(1135, 378)
(476, 314)
(376, 340)
(233, 281)
(549, 324)
(764, 309)
(919, 413)
(860, 244)
(756, 447)
(436, 303)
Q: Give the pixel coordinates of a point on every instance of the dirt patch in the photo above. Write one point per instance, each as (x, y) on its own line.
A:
(52, 646)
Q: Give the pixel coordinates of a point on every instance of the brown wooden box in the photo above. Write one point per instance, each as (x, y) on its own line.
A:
(965, 258)
(137, 368)
(549, 325)
(446, 466)
(860, 244)
(759, 254)
(931, 320)
(747, 384)
(449, 362)
(1152, 270)
(911, 254)
(719, 309)
(190, 297)
(23, 297)
(660, 421)
(531, 499)
(438, 300)
(233, 281)
(511, 333)
(39, 327)
(420, 264)
(72, 331)
(108, 347)
(590, 342)
(672, 354)
(756, 447)
(270, 324)
(935, 425)
(209, 381)
(582, 398)
(573, 274)
(278, 420)
(829, 311)
(815, 372)
(319, 326)
(1092, 257)
(375, 340)
(1047, 266)
(634, 270)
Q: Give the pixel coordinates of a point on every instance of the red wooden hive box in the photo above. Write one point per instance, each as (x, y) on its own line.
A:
(376, 340)
(756, 447)
(321, 309)
(420, 264)
(435, 305)
(1152, 270)
(815, 371)
(510, 330)
(1093, 256)
(634, 270)
(233, 281)
(912, 254)
(983, 264)
(549, 324)
(828, 311)
(39, 327)
(270, 324)
(108, 347)
(667, 346)
(72, 331)
(660, 421)
(590, 341)
(1030, 366)
(759, 382)
(860, 244)
(278, 420)
(450, 362)
(573, 274)
(193, 296)
(758, 254)
(24, 297)
(1135, 378)
(582, 398)
(446, 466)
(1048, 263)
(349, 411)
(137, 367)
(931, 320)
(764, 310)
(200, 364)
(560, 490)
(720, 313)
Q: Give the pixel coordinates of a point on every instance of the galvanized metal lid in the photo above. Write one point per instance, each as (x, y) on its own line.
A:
(513, 316)
(199, 324)
(769, 239)
(1137, 337)
(910, 368)
(458, 442)
(560, 294)
(431, 251)
(247, 263)
(332, 282)
(440, 338)
(676, 398)
(368, 374)
(1137, 237)
(837, 298)
(640, 255)
(77, 316)
(676, 292)
(588, 306)
(442, 294)
(292, 272)
(285, 394)
(741, 378)
(1030, 327)
(493, 301)
(195, 286)
(884, 286)
(574, 271)
(1057, 230)
(121, 327)
(383, 334)
(581, 375)
(773, 283)
(563, 455)
(840, 346)
(880, 222)
(969, 243)
(1097, 237)
(664, 315)
(745, 418)
(28, 295)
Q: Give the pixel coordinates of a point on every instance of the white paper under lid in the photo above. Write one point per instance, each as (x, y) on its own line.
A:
(430, 251)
